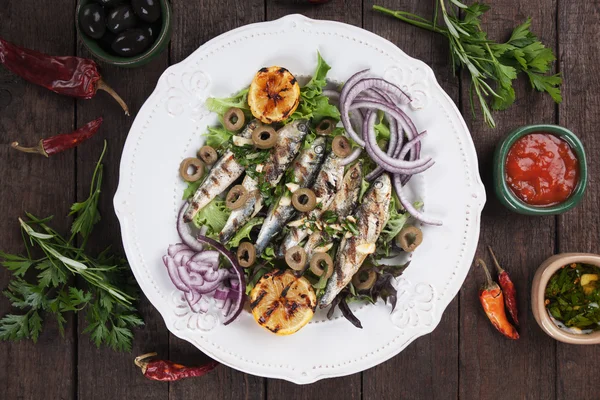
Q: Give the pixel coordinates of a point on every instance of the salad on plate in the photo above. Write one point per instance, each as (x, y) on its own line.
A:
(297, 200)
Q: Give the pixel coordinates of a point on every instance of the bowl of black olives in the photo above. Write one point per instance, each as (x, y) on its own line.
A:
(127, 33)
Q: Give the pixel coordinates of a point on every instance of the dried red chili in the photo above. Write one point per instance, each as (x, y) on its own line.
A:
(68, 75)
(62, 142)
(161, 370)
(492, 301)
(508, 288)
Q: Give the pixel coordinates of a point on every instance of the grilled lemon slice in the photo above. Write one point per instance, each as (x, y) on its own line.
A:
(282, 302)
(274, 94)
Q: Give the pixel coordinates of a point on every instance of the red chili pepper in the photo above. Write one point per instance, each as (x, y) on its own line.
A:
(68, 75)
(492, 301)
(161, 370)
(508, 287)
(59, 143)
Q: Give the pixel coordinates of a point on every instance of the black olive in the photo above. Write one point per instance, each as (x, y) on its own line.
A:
(148, 10)
(109, 3)
(106, 41)
(131, 42)
(152, 29)
(120, 19)
(91, 20)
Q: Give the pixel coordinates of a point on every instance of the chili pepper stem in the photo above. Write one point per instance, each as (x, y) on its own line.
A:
(103, 86)
(488, 276)
(496, 263)
(141, 362)
(39, 149)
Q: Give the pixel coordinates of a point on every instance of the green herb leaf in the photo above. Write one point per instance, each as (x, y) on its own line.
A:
(214, 216)
(221, 105)
(244, 232)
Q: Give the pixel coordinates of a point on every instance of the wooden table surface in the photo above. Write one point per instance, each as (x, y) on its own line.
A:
(463, 358)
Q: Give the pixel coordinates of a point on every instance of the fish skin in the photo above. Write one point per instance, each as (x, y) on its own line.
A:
(289, 141)
(304, 170)
(238, 218)
(371, 216)
(344, 202)
(327, 183)
(226, 170)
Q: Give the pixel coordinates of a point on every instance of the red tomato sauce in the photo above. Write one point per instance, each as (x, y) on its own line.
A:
(542, 169)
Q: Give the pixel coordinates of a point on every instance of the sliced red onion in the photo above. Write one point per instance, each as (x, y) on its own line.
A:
(176, 248)
(408, 205)
(344, 104)
(190, 279)
(180, 255)
(227, 307)
(332, 94)
(352, 157)
(192, 298)
(174, 274)
(184, 232)
(221, 294)
(201, 268)
(375, 152)
(207, 256)
(411, 144)
(239, 301)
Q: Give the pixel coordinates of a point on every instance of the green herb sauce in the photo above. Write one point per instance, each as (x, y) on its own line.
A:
(573, 296)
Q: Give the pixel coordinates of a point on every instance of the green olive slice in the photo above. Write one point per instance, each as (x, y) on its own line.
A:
(295, 258)
(264, 137)
(246, 254)
(237, 197)
(234, 119)
(197, 167)
(325, 127)
(362, 282)
(409, 238)
(316, 264)
(304, 200)
(341, 146)
(208, 155)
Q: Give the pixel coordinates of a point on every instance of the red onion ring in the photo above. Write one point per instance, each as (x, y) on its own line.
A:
(174, 274)
(408, 205)
(192, 298)
(184, 232)
(239, 301)
(352, 157)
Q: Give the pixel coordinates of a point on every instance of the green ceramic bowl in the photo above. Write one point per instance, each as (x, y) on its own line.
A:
(506, 195)
(157, 47)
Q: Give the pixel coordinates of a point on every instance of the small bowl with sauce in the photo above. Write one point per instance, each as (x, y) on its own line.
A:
(540, 170)
(565, 297)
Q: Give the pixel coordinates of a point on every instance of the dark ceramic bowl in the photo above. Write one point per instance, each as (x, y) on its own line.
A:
(507, 196)
(157, 47)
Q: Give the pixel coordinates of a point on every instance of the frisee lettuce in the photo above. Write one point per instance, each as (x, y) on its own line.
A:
(244, 232)
(221, 105)
(213, 216)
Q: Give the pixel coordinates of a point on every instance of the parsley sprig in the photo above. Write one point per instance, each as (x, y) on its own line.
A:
(493, 66)
(47, 285)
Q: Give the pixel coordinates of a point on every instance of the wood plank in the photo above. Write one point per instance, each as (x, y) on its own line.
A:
(579, 229)
(348, 387)
(194, 24)
(490, 365)
(103, 373)
(45, 370)
(428, 367)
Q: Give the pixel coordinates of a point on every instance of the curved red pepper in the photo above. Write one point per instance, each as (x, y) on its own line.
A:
(68, 75)
(508, 287)
(59, 143)
(161, 370)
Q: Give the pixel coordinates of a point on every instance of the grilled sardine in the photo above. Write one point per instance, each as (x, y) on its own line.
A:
(371, 217)
(289, 141)
(304, 170)
(220, 177)
(327, 184)
(343, 204)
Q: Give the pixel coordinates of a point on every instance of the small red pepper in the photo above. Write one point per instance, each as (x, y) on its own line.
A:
(508, 288)
(161, 370)
(492, 301)
(62, 142)
(68, 75)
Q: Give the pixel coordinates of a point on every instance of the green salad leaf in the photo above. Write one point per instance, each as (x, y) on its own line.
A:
(221, 105)
(191, 188)
(213, 216)
(218, 137)
(313, 105)
(244, 232)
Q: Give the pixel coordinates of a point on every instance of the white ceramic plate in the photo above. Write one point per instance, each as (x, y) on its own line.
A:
(168, 128)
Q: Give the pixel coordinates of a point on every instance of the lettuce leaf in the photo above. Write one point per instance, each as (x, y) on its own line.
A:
(313, 105)
(213, 216)
(217, 137)
(221, 105)
(191, 189)
(244, 232)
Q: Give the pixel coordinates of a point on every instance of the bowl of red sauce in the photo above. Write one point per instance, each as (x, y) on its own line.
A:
(540, 170)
